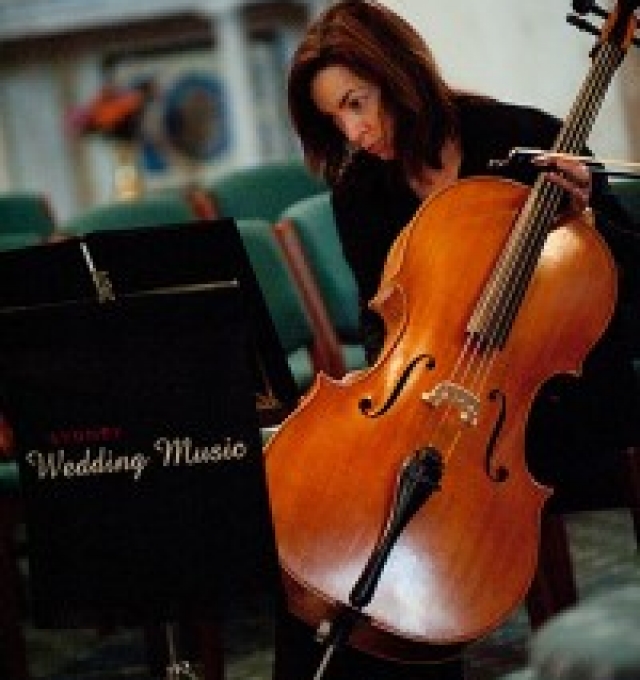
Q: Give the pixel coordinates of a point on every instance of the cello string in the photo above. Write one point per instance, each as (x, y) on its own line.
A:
(511, 279)
(573, 137)
(583, 112)
(576, 136)
(603, 71)
(545, 207)
(479, 355)
(509, 283)
(513, 275)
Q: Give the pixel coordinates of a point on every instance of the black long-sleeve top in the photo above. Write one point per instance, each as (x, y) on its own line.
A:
(373, 202)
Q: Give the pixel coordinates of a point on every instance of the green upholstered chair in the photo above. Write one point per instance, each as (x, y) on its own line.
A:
(146, 211)
(193, 194)
(262, 191)
(8, 477)
(311, 222)
(281, 297)
(628, 193)
(26, 219)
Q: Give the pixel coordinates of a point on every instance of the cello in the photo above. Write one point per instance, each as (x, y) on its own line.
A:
(405, 516)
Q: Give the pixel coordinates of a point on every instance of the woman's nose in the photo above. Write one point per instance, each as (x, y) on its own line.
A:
(354, 131)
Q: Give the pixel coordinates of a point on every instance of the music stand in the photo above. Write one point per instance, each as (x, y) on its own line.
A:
(128, 364)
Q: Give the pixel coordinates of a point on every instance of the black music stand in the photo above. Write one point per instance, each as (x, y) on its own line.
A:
(130, 374)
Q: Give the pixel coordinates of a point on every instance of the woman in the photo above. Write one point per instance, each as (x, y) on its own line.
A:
(377, 120)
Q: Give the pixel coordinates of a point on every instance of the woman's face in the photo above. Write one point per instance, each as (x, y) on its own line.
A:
(355, 107)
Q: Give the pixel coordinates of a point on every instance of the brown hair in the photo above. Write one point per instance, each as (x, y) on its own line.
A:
(382, 48)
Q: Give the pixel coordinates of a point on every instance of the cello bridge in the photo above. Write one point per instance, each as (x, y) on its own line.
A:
(456, 395)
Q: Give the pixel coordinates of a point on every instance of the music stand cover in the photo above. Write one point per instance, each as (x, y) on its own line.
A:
(136, 426)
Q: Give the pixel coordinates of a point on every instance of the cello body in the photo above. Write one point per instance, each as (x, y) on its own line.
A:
(465, 560)
(485, 296)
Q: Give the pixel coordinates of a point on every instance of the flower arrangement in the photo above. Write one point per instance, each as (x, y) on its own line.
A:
(116, 112)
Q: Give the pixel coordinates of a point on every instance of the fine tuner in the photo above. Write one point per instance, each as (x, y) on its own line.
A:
(582, 7)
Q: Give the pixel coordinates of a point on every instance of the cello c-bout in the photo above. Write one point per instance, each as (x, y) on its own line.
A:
(485, 296)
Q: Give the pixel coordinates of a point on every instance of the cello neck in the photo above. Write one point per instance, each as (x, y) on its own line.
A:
(616, 37)
(577, 127)
(500, 301)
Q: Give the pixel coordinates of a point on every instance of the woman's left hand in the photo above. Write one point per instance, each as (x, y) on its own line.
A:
(571, 175)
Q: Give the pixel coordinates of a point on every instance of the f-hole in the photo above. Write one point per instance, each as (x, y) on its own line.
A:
(366, 403)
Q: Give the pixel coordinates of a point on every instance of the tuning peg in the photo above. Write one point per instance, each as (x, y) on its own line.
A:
(588, 6)
(582, 24)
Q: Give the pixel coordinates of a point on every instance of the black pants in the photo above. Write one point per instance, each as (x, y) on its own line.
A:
(297, 657)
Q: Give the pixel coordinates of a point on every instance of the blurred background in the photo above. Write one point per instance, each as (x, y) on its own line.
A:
(111, 99)
(209, 83)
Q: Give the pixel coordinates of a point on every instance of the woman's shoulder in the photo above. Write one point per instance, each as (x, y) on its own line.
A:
(490, 128)
(481, 113)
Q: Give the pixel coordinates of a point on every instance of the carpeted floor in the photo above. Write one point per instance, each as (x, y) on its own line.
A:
(605, 555)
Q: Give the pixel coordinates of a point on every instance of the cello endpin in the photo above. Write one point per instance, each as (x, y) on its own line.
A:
(323, 630)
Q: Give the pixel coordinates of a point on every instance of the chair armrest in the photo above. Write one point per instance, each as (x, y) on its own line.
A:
(202, 204)
(327, 352)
